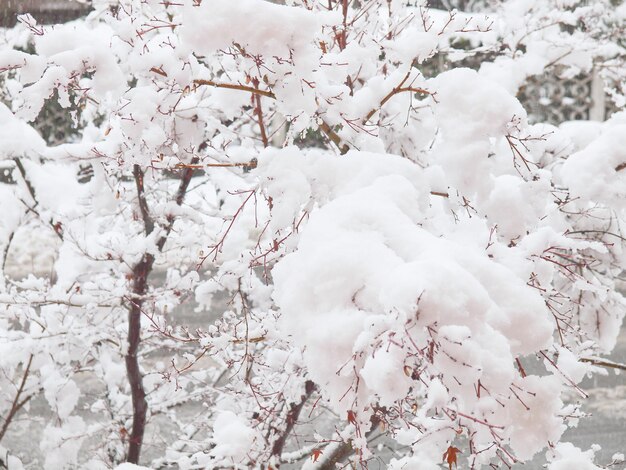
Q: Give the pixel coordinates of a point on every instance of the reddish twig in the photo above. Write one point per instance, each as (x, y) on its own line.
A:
(217, 248)
(17, 404)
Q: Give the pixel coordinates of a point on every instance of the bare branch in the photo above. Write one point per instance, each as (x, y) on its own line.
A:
(239, 87)
(324, 127)
(141, 195)
(140, 274)
(292, 418)
(334, 137)
(339, 451)
(395, 91)
(603, 363)
(17, 404)
(58, 229)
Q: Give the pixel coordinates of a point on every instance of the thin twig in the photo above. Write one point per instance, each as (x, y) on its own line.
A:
(58, 229)
(245, 165)
(16, 405)
(232, 86)
(603, 363)
(258, 110)
(396, 90)
(324, 127)
(572, 383)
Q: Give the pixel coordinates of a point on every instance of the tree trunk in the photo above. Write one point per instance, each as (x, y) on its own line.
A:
(138, 394)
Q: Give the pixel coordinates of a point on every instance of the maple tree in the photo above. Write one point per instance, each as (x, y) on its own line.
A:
(384, 260)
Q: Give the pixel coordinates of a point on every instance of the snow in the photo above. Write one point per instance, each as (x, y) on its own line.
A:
(379, 261)
(283, 27)
(371, 244)
(592, 173)
(130, 466)
(566, 456)
(413, 44)
(61, 444)
(233, 437)
(470, 111)
(18, 139)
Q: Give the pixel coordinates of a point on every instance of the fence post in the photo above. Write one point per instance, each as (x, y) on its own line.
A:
(597, 110)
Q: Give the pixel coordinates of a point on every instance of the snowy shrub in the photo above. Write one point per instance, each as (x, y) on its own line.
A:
(387, 264)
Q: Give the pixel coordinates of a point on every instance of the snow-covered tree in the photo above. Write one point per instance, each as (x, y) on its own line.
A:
(410, 271)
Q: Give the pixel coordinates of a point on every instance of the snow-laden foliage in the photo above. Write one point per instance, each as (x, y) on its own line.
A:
(387, 261)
